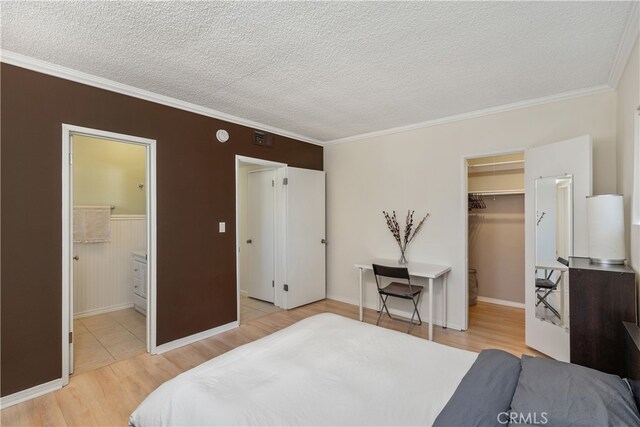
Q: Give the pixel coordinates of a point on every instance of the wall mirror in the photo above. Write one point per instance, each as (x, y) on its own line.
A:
(554, 246)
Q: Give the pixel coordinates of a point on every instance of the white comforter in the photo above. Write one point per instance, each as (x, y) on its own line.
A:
(324, 370)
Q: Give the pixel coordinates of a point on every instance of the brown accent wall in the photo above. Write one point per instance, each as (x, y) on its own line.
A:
(195, 191)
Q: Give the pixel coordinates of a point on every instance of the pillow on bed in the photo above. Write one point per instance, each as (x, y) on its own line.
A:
(558, 393)
(484, 393)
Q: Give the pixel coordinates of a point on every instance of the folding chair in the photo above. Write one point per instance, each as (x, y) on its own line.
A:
(397, 290)
(544, 287)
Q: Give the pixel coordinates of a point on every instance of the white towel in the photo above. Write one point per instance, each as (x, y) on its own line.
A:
(91, 224)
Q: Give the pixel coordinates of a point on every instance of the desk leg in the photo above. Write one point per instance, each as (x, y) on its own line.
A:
(361, 294)
(430, 309)
(444, 300)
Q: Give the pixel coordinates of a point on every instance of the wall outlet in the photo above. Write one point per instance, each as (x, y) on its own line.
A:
(221, 227)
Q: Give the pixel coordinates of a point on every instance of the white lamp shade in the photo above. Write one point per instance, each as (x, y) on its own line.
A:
(605, 222)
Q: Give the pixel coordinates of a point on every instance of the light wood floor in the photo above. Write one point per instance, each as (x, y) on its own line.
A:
(108, 395)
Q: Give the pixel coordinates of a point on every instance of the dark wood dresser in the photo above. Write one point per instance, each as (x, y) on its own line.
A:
(601, 297)
(632, 359)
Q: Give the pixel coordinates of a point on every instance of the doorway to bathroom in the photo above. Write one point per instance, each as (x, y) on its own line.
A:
(108, 248)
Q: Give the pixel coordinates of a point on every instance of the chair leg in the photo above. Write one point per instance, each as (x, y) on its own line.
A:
(539, 299)
(543, 299)
(416, 304)
(412, 316)
(387, 308)
(415, 311)
(380, 312)
(551, 308)
(383, 308)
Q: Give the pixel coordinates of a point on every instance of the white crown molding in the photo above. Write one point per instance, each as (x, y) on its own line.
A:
(37, 65)
(44, 67)
(478, 113)
(629, 37)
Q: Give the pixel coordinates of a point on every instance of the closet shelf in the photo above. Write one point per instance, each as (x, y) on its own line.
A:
(498, 192)
(496, 166)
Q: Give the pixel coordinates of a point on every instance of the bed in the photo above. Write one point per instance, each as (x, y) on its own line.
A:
(330, 370)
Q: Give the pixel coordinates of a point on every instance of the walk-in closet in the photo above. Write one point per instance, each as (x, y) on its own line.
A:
(496, 234)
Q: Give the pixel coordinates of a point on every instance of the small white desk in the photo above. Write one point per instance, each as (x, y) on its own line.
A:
(551, 264)
(416, 269)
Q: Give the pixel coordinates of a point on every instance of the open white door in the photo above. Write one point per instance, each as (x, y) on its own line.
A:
(261, 234)
(567, 161)
(74, 260)
(305, 241)
(71, 310)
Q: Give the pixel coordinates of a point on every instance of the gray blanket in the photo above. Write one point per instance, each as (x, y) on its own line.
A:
(501, 389)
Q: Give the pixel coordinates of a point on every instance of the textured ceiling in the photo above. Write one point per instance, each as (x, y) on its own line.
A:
(329, 70)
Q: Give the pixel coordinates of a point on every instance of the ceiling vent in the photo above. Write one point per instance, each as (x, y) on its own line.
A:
(262, 138)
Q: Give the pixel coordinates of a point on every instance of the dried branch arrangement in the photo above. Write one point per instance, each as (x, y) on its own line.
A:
(406, 238)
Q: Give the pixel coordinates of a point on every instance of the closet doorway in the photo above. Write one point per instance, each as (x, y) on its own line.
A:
(108, 239)
(496, 242)
(280, 237)
(260, 236)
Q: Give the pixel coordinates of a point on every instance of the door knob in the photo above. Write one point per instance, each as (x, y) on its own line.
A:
(323, 241)
(76, 257)
(249, 241)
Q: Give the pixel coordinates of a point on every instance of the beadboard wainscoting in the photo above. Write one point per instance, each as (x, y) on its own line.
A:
(103, 273)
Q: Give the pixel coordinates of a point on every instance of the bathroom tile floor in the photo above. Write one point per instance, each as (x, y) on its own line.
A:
(251, 308)
(106, 338)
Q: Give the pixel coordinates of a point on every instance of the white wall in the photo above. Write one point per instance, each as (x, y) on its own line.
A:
(627, 109)
(496, 247)
(103, 276)
(107, 172)
(628, 155)
(422, 169)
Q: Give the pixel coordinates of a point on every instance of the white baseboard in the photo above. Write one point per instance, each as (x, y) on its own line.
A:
(501, 302)
(102, 310)
(30, 393)
(195, 337)
(244, 293)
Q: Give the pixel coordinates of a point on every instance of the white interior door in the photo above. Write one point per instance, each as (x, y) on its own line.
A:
(74, 269)
(261, 234)
(74, 260)
(305, 237)
(572, 157)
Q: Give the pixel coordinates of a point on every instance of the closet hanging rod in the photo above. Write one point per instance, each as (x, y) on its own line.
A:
(497, 192)
(510, 162)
